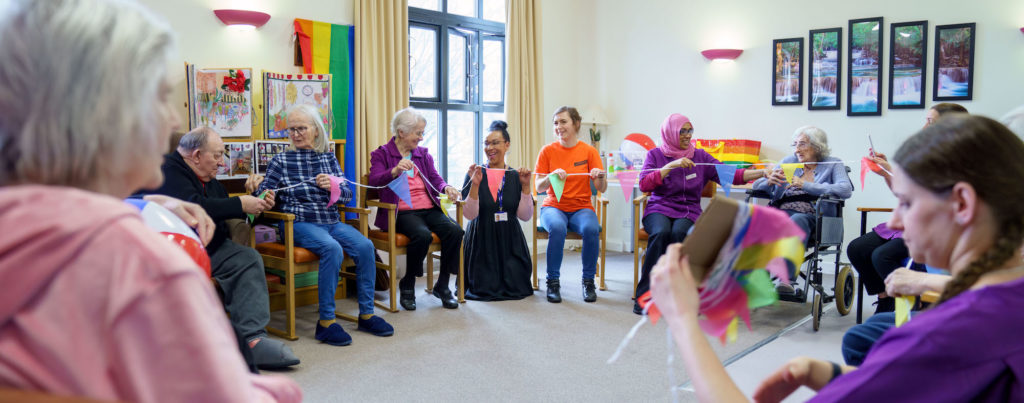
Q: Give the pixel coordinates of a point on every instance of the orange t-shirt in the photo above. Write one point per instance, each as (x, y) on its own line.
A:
(580, 158)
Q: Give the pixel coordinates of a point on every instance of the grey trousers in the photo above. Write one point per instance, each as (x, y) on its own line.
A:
(239, 272)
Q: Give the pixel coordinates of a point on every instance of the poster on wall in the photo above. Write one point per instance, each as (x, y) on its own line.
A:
(220, 99)
(954, 62)
(826, 57)
(787, 71)
(281, 91)
(238, 161)
(908, 46)
(267, 149)
(864, 83)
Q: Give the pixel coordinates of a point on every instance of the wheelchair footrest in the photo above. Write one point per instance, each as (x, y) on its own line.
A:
(798, 296)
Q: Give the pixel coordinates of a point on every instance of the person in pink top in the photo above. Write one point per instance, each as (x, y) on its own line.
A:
(95, 303)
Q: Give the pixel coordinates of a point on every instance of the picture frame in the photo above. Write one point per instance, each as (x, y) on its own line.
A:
(953, 78)
(864, 64)
(787, 71)
(908, 64)
(282, 91)
(825, 55)
(221, 99)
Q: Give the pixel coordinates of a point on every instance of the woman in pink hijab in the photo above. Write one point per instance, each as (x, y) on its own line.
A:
(674, 174)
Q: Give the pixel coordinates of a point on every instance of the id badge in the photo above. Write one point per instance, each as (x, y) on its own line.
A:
(691, 176)
(500, 216)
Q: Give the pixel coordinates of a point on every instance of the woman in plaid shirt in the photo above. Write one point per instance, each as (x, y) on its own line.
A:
(308, 165)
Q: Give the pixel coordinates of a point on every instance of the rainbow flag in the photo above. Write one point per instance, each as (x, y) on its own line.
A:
(329, 49)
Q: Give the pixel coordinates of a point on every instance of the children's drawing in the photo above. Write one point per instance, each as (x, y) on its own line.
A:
(221, 99)
(281, 91)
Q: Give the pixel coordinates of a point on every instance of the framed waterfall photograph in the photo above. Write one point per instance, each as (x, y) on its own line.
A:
(826, 68)
(908, 46)
(787, 71)
(954, 62)
(864, 82)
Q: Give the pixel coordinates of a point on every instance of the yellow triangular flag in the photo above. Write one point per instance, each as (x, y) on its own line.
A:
(730, 332)
(903, 305)
(788, 169)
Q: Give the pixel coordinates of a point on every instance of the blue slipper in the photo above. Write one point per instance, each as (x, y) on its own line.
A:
(333, 335)
(376, 326)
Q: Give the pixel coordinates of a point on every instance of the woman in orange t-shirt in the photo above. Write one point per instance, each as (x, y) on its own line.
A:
(568, 157)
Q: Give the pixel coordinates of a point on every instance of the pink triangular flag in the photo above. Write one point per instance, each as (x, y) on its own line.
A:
(494, 177)
(401, 188)
(863, 170)
(335, 189)
(627, 179)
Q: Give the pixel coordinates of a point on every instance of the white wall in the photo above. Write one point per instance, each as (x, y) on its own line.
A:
(206, 42)
(640, 61)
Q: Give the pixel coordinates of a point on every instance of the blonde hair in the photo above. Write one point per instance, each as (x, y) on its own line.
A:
(320, 143)
(79, 90)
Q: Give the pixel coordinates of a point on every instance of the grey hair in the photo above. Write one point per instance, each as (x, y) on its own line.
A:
(320, 144)
(195, 139)
(79, 83)
(406, 120)
(818, 139)
(1014, 120)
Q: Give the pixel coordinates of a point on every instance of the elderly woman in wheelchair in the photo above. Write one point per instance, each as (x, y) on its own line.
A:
(815, 190)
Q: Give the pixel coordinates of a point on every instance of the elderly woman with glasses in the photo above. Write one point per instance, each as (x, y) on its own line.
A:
(820, 174)
(302, 175)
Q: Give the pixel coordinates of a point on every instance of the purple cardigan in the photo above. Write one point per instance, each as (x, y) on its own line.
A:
(676, 196)
(384, 158)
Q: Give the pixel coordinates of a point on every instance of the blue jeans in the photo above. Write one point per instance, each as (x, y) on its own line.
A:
(859, 339)
(329, 241)
(583, 222)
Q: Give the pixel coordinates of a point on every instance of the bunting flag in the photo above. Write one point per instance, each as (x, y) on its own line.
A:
(252, 217)
(867, 164)
(903, 305)
(336, 183)
(789, 169)
(445, 203)
(726, 173)
(557, 184)
(401, 188)
(494, 177)
(627, 179)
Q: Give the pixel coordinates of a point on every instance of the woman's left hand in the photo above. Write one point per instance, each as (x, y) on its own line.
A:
(596, 173)
(323, 181)
(524, 177)
(798, 182)
(452, 192)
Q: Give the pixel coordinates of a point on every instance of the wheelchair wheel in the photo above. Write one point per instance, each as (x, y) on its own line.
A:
(816, 311)
(844, 290)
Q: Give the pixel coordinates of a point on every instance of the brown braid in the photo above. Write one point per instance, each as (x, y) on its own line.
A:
(984, 154)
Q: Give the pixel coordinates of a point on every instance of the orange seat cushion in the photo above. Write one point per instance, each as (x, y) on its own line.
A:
(302, 255)
(642, 235)
(400, 240)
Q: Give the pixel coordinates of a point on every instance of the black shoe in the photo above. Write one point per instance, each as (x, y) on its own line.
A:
(553, 295)
(589, 290)
(447, 300)
(637, 309)
(887, 304)
(408, 300)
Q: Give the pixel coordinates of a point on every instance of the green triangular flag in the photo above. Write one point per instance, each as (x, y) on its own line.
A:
(759, 288)
(557, 184)
(253, 216)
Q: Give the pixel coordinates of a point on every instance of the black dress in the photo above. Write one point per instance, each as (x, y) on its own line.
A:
(497, 260)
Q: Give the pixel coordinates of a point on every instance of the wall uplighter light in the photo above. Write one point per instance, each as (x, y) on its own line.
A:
(244, 18)
(722, 54)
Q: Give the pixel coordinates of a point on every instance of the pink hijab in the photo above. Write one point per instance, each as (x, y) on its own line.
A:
(670, 137)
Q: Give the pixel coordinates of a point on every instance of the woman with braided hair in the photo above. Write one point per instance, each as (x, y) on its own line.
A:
(959, 207)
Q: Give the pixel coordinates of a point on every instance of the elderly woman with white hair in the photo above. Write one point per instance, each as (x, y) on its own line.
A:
(402, 155)
(821, 174)
(302, 178)
(95, 303)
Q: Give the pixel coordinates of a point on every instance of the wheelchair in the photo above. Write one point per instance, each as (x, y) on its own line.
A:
(827, 241)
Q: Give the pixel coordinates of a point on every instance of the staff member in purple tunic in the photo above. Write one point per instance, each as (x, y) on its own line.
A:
(675, 182)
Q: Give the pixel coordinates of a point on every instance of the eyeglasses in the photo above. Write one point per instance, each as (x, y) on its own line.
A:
(686, 131)
(492, 143)
(800, 144)
(298, 129)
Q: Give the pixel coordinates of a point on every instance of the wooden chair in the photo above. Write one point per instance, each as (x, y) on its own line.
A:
(395, 244)
(640, 235)
(601, 208)
(292, 260)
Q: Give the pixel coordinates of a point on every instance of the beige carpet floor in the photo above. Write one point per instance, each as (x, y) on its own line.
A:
(527, 350)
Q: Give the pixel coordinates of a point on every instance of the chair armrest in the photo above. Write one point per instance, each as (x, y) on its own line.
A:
(276, 215)
(375, 203)
(641, 200)
(758, 194)
(355, 210)
(874, 209)
(930, 297)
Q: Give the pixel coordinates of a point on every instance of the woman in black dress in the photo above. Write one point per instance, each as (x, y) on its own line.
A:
(497, 259)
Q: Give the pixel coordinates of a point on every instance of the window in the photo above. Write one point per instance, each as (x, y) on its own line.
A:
(457, 77)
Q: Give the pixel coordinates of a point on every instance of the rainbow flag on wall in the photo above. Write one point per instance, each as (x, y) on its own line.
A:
(329, 49)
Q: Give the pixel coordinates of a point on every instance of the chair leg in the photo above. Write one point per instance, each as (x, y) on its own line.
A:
(636, 265)
(536, 283)
(430, 272)
(603, 247)
(461, 280)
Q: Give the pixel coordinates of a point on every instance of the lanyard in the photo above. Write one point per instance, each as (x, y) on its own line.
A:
(500, 189)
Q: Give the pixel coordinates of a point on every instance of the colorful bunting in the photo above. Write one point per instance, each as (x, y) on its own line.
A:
(627, 179)
(725, 176)
(494, 177)
(789, 169)
(401, 188)
(336, 182)
(557, 184)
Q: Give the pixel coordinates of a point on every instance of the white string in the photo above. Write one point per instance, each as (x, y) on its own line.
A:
(289, 187)
(670, 360)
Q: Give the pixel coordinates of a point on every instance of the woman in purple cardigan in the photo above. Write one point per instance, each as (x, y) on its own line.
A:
(403, 156)
(675, 182)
